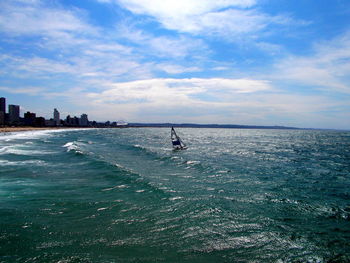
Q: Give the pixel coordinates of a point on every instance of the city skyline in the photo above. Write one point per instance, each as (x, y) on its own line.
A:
(248, 62)
(12, 116)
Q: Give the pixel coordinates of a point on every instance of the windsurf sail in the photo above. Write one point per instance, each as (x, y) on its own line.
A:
(178, 144)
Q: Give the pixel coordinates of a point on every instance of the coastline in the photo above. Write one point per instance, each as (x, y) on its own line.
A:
(20, 129)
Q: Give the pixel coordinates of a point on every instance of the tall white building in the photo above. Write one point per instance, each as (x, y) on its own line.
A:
(56, 117)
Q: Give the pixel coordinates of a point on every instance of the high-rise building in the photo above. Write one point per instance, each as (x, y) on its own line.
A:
(13, 114)
(84, 120)
(56, 117)
(2, 118)
(3, 105)
(72, 121)
(29, 118)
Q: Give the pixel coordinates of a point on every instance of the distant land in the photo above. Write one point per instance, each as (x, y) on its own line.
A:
(193, 125)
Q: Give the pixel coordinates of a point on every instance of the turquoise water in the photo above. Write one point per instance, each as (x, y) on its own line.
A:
(122, 195)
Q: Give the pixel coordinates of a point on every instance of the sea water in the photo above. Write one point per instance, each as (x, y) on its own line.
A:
(123, 195)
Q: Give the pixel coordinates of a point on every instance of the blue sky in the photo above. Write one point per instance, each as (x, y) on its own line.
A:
(261, 62)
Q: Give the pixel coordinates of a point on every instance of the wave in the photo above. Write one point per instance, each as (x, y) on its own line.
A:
(148, 150)
(122, 175)
(35, 134)
(73, 147)
(4, 149)
(22, 150)
(165, 155)
(177, 160)
(16, 163)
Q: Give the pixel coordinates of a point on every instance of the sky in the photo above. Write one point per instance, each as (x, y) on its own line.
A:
(249, 62)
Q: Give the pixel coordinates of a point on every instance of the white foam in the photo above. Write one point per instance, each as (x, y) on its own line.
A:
(22, 150)
(193, 162)
(175, 198)
(73, 146)
(68, 144)
(4, 149)
(32, 162)
(25, 135)
(122, 186)
(34, 134)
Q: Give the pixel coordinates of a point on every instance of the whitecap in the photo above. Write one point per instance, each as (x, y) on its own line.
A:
(175, 198)
(23, 135)
(27, 151)
(68, 144)
(35, 134)
(119, 166)
(122, 186)
(224, 171)
(115, 187)
(4, 149)
(192, 162)
(73, 146)
(214, 175)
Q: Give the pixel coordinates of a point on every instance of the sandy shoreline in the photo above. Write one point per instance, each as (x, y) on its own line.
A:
(19, 129)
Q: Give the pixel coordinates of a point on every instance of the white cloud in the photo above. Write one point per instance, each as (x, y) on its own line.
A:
(176, 98)
(74, 69)
(161, 46)
(32, 17)
(163, 95)
(72, 46)
(218, 100)
(175, 69)
(29, 67)
(28, 91)
(328, 67)
(224, 17)
(179, 90)
(181, 8)
(227, 22)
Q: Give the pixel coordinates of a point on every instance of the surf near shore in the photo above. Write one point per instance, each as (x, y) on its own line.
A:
(20, 129)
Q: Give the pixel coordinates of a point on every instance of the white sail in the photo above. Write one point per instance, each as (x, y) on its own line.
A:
(178, 144)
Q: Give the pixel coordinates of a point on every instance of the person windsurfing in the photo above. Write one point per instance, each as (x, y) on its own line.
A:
(176, 141)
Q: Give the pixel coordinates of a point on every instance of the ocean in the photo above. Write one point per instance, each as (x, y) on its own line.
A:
(123, 195)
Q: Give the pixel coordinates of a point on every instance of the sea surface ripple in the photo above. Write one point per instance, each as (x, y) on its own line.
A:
(123, 195)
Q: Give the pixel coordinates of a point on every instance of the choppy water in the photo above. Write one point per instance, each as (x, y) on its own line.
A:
(122, 195)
